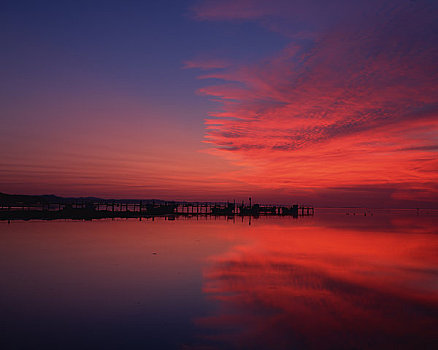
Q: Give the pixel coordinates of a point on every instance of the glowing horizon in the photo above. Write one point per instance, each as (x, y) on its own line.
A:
(303, 101)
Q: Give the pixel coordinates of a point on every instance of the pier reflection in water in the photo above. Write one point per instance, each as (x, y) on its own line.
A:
(328, 281)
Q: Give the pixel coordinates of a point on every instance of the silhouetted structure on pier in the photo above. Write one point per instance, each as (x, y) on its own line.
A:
(51, 207)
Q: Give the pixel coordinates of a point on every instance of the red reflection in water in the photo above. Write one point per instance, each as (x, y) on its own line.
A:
(328, 281)
(328, 284)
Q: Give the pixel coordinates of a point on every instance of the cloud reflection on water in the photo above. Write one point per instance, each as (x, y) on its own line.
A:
(319, 286)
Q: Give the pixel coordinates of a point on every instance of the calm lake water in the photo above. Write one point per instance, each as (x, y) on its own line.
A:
(328, 281)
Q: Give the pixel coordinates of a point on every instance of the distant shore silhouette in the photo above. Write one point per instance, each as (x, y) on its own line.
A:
(51, 207)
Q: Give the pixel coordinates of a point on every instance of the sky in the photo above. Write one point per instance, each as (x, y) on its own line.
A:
(324, 103)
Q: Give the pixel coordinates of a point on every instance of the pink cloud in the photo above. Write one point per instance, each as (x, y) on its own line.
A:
(206, 64)
(356, 106)
(238, 9)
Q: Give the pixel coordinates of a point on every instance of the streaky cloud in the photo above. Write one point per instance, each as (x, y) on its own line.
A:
(335, 107)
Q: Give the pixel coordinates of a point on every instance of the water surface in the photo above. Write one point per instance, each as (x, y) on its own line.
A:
(328, 281)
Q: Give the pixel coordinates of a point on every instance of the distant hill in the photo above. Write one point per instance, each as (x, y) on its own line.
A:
(20, 199)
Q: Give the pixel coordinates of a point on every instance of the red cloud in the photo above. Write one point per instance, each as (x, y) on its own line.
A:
(356, 106)
(206, 64)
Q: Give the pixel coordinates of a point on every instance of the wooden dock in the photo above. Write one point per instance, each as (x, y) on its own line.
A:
(137, 209)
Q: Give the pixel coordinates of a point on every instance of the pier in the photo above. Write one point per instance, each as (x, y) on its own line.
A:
(99, 209)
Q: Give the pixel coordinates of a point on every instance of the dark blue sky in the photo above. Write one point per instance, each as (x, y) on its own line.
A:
(137, 48)
(332, 102)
